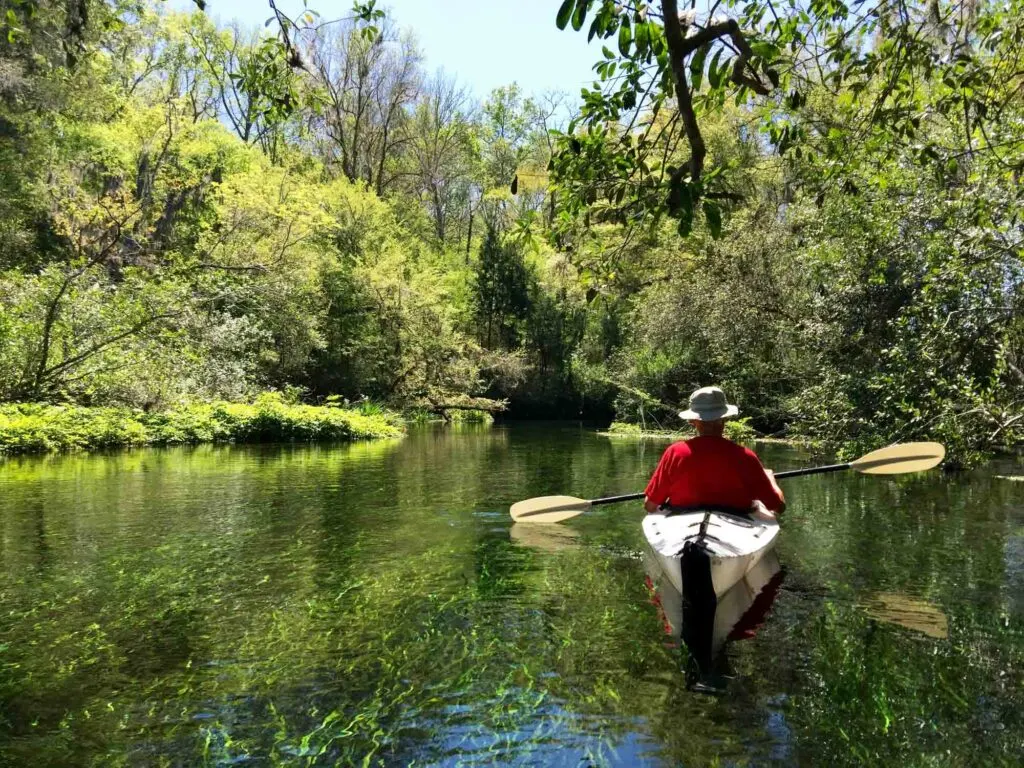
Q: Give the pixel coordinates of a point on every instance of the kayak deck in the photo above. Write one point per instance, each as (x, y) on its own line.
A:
(734, 544)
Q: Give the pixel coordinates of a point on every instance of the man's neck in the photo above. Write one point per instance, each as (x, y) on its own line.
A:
(709, 430)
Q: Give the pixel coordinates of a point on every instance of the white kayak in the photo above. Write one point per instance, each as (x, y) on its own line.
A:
(730, 609)
(734, 544)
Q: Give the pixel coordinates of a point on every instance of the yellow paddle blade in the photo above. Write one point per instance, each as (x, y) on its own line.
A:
(548, 509)
(897, 459)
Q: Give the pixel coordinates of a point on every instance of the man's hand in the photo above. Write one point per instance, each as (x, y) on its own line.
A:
(758, 509)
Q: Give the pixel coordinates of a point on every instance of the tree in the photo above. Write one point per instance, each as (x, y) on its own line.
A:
(769, 62)
(508, 122)
(441, 154)
(368, 86)
(501, 291)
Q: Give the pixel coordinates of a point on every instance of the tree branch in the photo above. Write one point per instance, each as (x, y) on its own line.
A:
(680, 47)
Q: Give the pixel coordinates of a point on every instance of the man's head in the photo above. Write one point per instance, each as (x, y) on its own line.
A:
(708, 411)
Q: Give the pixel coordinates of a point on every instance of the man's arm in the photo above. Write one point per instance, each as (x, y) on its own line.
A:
(657, 489)
(763, 485)
(775, 487)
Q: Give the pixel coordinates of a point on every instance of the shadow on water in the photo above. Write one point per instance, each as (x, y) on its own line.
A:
(372, 604)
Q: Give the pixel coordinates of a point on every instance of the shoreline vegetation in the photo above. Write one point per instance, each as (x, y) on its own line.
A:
(186, 216)
(272, 417)
(27, 428)
(738, 430)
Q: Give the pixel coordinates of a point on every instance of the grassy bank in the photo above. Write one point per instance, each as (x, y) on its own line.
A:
(41, 427)
(422, 416)
(738, 430)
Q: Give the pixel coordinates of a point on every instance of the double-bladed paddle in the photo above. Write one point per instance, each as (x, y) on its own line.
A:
(894, 460)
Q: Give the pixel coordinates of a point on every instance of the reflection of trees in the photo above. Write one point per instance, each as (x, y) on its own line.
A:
(877, 694)
(881, 696)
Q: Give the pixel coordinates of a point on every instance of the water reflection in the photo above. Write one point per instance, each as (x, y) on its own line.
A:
(706, 625)
(545, 537)
(372, 604)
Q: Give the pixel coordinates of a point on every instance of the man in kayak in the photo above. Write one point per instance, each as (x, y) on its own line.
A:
(708, 470)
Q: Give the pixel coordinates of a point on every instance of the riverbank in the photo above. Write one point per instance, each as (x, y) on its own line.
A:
(44, 428)
(738, 430)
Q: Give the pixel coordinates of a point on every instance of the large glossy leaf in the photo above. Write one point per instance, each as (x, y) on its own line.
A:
(564, 12)
(580, 14)
(625, 36)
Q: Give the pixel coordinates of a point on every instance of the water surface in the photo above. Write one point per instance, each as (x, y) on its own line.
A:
(372, 604)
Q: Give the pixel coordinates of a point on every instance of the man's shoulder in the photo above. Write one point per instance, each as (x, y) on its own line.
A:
(681, 448)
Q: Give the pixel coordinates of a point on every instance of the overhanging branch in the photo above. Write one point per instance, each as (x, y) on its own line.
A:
(680, 47)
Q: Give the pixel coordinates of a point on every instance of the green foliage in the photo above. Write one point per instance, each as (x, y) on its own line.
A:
(502, 291)
(625, 428)
(737, 430)
(818, 213)
(894, 74)
(40, 427)
(471, 417)
(740, 430)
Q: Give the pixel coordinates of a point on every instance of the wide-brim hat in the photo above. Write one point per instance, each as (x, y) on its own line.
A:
(708, 404)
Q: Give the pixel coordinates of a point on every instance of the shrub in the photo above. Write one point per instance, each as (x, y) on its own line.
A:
(470, 417)
(740, 430)
(41, 427)
(624, 428)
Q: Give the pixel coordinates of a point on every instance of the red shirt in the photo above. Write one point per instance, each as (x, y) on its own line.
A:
(714, 471)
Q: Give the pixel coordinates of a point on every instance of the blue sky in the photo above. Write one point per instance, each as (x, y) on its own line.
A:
(485, 43)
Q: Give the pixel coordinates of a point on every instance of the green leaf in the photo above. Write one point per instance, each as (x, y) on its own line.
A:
(625, 36)
(564, 12)
(764, 49)
(685, 221)
(642, 36)
(714, 74)
(697, 66)
(580, 14)
(679, 198)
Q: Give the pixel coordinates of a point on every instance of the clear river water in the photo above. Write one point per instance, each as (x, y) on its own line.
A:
(372, 604)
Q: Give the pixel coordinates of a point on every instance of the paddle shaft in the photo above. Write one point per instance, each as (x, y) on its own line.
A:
(891, 460)
(617, 499)
(778, 476)
(812, 471)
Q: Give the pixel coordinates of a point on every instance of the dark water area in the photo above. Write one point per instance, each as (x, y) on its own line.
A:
(372, 604)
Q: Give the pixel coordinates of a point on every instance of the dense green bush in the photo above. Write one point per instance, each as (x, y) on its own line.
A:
(471, 417)
(38, 427)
